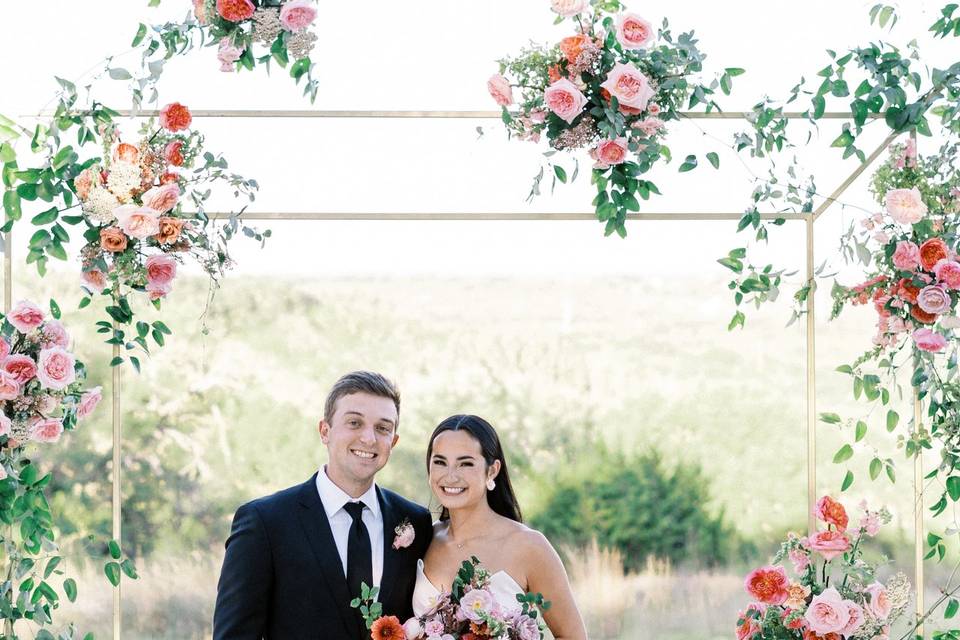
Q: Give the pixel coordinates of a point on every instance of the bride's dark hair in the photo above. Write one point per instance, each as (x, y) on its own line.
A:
(502, 499)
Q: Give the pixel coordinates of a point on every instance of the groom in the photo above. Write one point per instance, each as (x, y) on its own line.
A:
(295, 559)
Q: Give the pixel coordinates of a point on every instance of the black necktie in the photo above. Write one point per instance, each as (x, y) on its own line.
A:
(359, 555)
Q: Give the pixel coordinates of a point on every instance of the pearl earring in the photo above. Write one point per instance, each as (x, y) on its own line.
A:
(491, 485)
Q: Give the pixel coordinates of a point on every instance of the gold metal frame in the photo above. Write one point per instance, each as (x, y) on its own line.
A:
(808, 218)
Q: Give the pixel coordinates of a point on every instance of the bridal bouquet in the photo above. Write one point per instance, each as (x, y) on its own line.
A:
(468, 612)
(279, 27)
(834, 592)
(611, 86)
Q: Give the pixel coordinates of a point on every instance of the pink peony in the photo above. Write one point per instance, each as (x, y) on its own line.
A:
(628, 85)
(633, 32)
(568, 8)
(830, 544)
(610, 152)
(905, 205)
(161, 270)
(827, 613)
(162, 198)
(297, 15)
(9, 386)
(768, 585)
(25, 317)
(56, 370)
(947, 272)
(21, 367)
(55, 334)
(47, 430)
(499, 88)
(88, 402)
(94, 280)
(564, 99)
(934, 299)
(929, 340)
(475, 603)
(907, 256)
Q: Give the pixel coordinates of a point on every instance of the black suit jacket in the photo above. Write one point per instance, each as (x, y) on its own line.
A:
(282, 578)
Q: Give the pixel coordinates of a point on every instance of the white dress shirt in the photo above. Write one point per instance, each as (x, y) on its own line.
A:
(333, 498)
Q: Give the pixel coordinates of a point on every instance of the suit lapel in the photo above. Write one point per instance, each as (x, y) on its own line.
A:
(313, 519)
(391, 556)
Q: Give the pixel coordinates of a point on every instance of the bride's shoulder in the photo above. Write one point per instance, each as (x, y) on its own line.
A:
(522, 536)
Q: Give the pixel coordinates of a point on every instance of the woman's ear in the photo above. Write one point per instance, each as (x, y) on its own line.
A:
(494, 470)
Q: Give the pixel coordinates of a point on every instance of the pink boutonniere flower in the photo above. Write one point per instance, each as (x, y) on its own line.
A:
(403, 535)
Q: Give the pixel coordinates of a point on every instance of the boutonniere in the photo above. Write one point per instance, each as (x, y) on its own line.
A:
(403, 535)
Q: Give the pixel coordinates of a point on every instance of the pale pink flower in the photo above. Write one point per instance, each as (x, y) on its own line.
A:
(564, 99)
(4, 349)
(653, 108)
(157, 291)
(404, 536)
(568, 8)
(895, 324)
(538, 117)
(21, 367)
(827, 613)
(649, 126)
(879, 605)
(830, 544)
(610, 152)
(5, 424)
(433, 627)
(88, 402)
(499, 88)
(9, 386)
(55, 334)
(854, 620)
(56, 368)
(527, 628)
(628, 85)
(412, 628)
(297, 15)
(867, 224)
(800, 560)
(950, 322)
(947, 272)
(906, 257)
(161, 270)
(929, 340)
(905, 205)
(94, 280)
(881, 237)
(633, 32)
(475, 603)
(25, 317)
(934, 299)
(162, 198)
(137, 222)
(47, 430)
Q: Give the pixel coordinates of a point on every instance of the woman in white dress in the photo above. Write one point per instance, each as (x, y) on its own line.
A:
(481, 517)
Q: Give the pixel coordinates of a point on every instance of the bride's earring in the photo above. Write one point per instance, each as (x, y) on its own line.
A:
(491, 485)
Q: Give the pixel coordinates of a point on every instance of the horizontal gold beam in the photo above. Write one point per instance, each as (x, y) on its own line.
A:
(461, 216)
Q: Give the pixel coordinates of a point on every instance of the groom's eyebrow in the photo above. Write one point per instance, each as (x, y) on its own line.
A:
(357, 413)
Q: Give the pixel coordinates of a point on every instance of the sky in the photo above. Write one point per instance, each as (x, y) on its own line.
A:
(437, 55)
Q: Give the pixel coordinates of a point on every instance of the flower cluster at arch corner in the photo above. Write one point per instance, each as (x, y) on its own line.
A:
(609, 88)
(41, 381)
(280, 28)
(834, 593)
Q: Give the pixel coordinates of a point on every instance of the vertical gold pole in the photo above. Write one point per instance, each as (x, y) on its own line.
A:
(116, 482)
(811, 383)
(918, 511)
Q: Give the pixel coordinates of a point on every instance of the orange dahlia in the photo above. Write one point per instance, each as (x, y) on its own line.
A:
(387, 628)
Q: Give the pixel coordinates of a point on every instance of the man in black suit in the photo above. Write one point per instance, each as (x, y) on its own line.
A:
(294, 560)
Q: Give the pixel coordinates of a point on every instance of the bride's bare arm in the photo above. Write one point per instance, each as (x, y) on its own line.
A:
(546, 575)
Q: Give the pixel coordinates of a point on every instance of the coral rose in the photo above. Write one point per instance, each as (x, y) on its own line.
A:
(175, 117)
(628, 85)
(905, 205)
(499, 88)
(387, 628)
(56, 368)
(929, 340)
(21, 367)
(25, 317)
(113, 240)
(172, 153)
(769, 585)
(633, 32)
(748, 628)
(832, 512)
(297, 15)
(170, 229)
(907, 256)
(610, 152)
(564, 99)
(572, 46)
(933, 251)
(235, 10)
(830, 544)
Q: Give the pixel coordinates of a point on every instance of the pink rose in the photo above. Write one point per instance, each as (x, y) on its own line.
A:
(296, 15)
(934, 299)
(89, 402)
(768, 585)
(649, 126)
(5, 425)
(433, 628)
(9, 386)
(653, 108)
(854, 619)
(4, 349)
(610, 152)
(404, 536)
(628, 85)
(21, 367)
(94, 280)
(55, 334)
(157, 291)
(137, 222)
(827, 613)
(879, 605)
(499, 88)
(907, 256)
(929, 340)
(162, 198)
(905, 205)
(564, 99)
(830, 544)
(568, 8)
(47, 430)
(25, 317)
(633, 32)
(161, 270)
(947, 272)
(56, 370)
(475, 603)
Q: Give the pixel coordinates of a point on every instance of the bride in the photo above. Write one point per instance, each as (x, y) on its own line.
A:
(481, 517)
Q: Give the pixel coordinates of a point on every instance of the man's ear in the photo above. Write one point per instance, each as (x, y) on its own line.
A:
(396, 438)
(324, 429)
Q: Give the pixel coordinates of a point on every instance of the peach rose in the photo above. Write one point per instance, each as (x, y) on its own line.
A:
(170, 229)
(827, 613)
(905, 205)
(176, 117)
(25, 317)
(21, 367)
(768, 585)
(933, 251)
(796, 596)
(297, 15)
(9, 386)
(630, 87)
(48, 430)
(500, 90)
(137, 222)
(568, 8)
(832, 512)
(610, 152)
(564, 99)
(929, 340)
(633, 32)
(56, 370)
(113, 240)
(572, 46)
(162, 198)
(88, 402)
(172, 153)
(126, 153)
(907, 256)
(84, 182)
(830, 544)
(94, 280)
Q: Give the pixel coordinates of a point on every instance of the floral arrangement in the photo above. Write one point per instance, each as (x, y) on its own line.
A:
(280, 28)
(468, 612)
(137, 229)
(610, 87)
(834, 593)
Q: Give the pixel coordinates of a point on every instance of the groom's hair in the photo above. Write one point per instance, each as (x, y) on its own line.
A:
(360, 382)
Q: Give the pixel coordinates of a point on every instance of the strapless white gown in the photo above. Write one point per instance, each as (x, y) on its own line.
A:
(503, 587)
